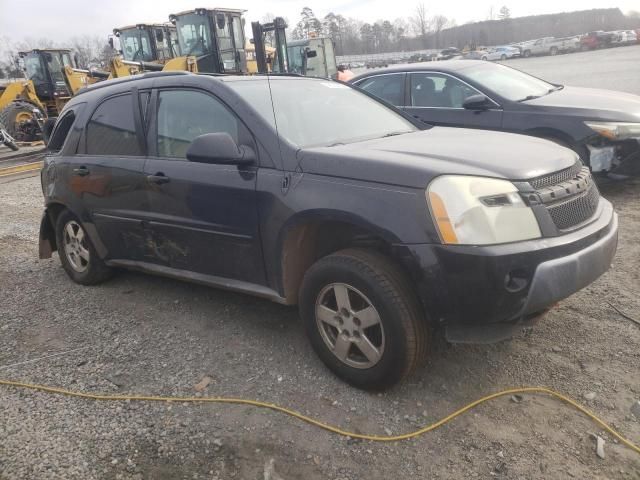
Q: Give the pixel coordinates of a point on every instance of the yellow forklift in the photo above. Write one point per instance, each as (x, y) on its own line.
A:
(51, 80)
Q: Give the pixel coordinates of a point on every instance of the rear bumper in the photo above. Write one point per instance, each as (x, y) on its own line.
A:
(482, 294)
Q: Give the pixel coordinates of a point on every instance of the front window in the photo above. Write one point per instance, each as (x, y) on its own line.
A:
(436, 90)
(311, 113)
(194, 34)
(507, 82)
(136, 45)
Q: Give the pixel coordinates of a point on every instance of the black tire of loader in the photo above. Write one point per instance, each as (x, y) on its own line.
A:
(8, 118)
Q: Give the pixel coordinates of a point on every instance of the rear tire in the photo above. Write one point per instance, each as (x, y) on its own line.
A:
(527, 53)
(553, 51)
(77, 254)
(381, 310)
(14, 116)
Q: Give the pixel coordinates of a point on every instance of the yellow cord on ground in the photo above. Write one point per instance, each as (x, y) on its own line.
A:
(325, 426)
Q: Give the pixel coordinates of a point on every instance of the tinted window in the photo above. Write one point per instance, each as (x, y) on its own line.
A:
(61, 131)
(184, 115)
(437, 90)
(111, 130)
(387, 87)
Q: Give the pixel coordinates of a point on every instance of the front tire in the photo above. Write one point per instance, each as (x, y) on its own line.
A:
(363, 318)
(527, 53)
(77, 254)
(503, 57)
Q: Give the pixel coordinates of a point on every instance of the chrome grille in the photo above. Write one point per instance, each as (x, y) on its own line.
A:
(556, 177)
(575, 210)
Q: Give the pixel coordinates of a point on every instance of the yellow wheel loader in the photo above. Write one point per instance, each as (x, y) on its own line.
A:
(51, 80)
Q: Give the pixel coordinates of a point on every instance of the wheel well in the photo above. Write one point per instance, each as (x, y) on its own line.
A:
(308, 242)
(54, 210)
(562, 139)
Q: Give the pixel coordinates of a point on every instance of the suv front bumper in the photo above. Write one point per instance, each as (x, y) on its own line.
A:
(483, 294)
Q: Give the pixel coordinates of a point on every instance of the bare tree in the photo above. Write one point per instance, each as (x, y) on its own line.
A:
(438, 23)
(420, 22)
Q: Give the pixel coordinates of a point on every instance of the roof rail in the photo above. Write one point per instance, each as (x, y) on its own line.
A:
(131, 78)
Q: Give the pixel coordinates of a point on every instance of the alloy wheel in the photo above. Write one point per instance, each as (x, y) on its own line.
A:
(350, 325)
(75, 246)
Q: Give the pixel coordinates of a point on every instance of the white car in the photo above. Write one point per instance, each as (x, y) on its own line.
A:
(500, 53)
(624, 37)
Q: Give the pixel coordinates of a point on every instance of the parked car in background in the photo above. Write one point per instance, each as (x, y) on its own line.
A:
(500, 53)
(377, 227)
(593, 40)
(542, 46)
(449, 53)
(475, 55)
(569, 44)
(380, 63)
(602, 126)
(624, 37)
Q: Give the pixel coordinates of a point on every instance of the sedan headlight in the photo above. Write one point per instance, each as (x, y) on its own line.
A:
(616, 130)
(479, 211)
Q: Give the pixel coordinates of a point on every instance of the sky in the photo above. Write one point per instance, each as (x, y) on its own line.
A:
(60, 20)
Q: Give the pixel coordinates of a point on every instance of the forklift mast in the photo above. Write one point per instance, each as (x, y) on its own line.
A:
(278, 27)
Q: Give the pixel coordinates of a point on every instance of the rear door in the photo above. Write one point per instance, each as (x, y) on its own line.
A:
(106, 176)
(437, 98)
(203, 216)
(390, 87)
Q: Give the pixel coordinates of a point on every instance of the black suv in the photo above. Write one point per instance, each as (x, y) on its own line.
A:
(310, 192)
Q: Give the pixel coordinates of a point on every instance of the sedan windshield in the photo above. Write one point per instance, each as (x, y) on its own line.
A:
(312, 113)
(507, 82)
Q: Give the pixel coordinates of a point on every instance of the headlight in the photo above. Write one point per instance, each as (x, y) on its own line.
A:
(615, 130)
(479, 211)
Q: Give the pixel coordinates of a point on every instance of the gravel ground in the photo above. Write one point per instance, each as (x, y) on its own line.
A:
(147, 335)
(140, 334)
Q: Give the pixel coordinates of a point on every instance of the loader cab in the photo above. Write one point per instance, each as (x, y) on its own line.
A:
(313, 57)
(215, 37)
(148, 42)
(45, 69)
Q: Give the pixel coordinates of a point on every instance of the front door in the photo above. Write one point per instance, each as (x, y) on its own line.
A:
(203, 216)
(438, 99)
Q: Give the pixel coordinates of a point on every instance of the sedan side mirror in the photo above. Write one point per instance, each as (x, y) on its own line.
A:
(477, 102)
(219, 148)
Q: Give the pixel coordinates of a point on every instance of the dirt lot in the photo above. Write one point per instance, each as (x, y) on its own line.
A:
(141, 334)
(147, 335)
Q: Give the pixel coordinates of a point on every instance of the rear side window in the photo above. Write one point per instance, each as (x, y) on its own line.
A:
(61, 131)
(184, 115)
(111, 130)
(386, 87)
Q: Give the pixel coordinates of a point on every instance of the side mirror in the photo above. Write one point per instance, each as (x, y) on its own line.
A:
(219, 148)
(159, 35)
(477, 102)
(311, 53)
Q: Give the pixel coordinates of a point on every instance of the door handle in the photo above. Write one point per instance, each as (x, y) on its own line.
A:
(81, 171)
(159, 178)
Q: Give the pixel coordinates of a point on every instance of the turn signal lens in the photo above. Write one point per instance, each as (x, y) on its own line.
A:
(442, 219)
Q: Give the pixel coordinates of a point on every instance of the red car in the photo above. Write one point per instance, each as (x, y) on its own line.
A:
(593, 40)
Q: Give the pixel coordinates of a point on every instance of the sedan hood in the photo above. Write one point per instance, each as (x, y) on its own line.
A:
(593, 103)
(414, 159)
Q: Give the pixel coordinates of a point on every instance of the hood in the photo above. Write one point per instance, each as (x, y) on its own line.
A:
(593, 103)
(414, 159)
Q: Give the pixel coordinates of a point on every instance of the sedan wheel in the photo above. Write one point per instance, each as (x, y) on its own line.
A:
(350, 325)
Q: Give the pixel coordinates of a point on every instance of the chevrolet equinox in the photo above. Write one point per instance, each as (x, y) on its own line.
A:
(311, 192)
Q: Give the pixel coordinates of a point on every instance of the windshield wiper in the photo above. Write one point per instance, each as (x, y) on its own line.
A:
(528, 97)
(393, 134)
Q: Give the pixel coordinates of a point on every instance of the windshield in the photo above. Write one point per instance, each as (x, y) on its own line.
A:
(311, 113)
(194, 34)
(55, 67)
(296, 64)
(511, 84)
(136, 46)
